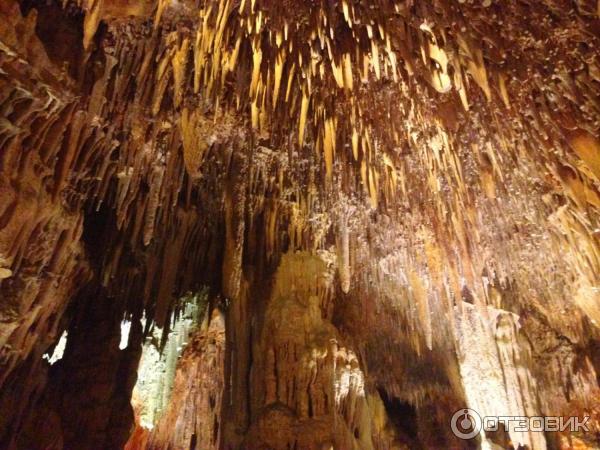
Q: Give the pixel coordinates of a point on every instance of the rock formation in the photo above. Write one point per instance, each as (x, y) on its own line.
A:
(391, 208)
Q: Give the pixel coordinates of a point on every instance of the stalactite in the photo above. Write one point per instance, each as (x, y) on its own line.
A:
(495, 371)
(440, 157)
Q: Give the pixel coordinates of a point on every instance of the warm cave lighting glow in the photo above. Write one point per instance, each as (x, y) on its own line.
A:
(299, 224)
(156, 372)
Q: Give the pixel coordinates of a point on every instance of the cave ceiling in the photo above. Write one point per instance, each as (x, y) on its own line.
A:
(436, 156)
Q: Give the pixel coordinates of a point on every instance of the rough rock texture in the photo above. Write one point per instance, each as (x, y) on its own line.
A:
(193, 417)
(86, 400)
(308, 390)
(395, 203)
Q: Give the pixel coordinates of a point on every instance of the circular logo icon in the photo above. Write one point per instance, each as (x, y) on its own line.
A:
(465, 423)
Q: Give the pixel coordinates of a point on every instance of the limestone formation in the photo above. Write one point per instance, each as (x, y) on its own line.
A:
(390, 208)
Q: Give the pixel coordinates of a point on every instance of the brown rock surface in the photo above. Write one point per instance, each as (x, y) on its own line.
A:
(394, 205)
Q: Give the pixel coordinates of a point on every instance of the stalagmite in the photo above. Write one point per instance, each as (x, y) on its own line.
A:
(390, 210)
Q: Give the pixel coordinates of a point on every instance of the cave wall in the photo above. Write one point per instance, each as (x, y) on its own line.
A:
(193, 415)
(86, 403)
(417, 181)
